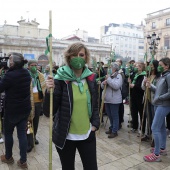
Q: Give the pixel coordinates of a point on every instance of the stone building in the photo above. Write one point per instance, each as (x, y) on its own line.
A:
(159, 22)
(30, 40)
(127, 39)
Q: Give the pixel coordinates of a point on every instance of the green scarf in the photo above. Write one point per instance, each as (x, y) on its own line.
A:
(35, 81)
(67, 74)
(143, 73)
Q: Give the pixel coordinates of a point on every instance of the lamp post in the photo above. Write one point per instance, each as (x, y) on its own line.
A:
(153, 41)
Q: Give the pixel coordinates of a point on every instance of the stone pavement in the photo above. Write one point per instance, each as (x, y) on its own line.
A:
(120, 153)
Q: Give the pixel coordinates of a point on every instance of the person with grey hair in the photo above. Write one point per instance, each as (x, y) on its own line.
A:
(16, 84)
(113, 98)
(37, 91)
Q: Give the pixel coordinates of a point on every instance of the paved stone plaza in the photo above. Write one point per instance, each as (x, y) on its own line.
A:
(120, 153)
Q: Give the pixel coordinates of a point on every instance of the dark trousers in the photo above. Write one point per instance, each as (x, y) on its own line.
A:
(86, 149)
(148, 115)
(136, 107)
(121, 113)
(168, 121)
(36, 117)
(22, 136)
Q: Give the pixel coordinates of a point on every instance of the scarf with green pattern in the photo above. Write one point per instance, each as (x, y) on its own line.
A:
(67, 74)
(143, 73)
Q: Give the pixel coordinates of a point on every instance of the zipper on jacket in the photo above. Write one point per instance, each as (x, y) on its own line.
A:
(70, 114)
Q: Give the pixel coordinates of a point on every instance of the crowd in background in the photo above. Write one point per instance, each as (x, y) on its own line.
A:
(82, 97)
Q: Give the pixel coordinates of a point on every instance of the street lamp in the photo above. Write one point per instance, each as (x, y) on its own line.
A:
(153, 41)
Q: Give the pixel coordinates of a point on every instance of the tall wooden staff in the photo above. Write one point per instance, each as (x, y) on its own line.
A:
(129, 121)
(99, 84)
(51, 93)
(145, 97)
(104, 90)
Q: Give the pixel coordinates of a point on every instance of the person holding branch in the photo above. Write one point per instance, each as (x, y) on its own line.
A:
(75, 109)
(162, 109)
(113, 98)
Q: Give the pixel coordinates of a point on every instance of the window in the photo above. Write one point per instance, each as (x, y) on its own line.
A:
(141, 47)
(117, 37)
(141, 41)
(153, 25)
(167, 42)
(168, 22)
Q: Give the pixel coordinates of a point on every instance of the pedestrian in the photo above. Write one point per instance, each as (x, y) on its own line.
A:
(37, 91)
(76, 116)
(136, 96)
(16, 84)
(153, 77)
(113, 98)
(162, 109)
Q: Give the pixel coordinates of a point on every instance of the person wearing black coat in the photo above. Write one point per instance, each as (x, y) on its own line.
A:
(16, 84)
(75, 109)
(136, 96)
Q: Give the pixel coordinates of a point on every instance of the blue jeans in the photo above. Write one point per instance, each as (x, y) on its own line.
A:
(112, 111)
(159, 128)
(22, 136)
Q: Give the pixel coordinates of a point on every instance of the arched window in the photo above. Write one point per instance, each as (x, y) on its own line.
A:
(43, 60)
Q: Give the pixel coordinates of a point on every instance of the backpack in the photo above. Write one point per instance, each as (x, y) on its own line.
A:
(125, 87)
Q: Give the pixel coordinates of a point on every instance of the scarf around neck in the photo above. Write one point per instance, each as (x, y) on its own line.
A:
(35, 80)
(65, 73)
(143, 73)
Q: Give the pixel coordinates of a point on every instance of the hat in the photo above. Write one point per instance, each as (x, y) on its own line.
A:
(32, 61)
(115, 65)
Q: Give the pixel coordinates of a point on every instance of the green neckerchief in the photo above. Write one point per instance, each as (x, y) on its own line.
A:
(100, 78)
(67, 74)
(35, 81)
(143, 73)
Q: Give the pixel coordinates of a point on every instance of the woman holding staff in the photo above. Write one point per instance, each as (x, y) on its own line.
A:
(76, 116)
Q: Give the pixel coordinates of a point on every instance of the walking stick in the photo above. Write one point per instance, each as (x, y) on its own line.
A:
(99, 84)
(144, 107)
(129, 126)
(51, 93)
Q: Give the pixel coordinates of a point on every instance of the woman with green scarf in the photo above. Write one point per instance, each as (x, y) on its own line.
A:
(76, 116)
(136, 96)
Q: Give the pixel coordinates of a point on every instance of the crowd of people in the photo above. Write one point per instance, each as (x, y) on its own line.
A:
(79, 94)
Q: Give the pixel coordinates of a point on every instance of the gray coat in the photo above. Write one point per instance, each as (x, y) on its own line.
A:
(113, 90)
(162, 90)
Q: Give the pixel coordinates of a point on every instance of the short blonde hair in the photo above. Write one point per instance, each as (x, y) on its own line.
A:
(74, 49)
(142, 65)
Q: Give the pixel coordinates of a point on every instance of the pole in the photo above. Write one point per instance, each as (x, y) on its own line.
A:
(51, 94)
(99, 84)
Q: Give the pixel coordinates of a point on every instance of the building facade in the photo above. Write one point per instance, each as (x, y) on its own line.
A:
(159, 22)
(127, 39)
(29, 40)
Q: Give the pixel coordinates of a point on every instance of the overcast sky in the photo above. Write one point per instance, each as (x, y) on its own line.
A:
(70, 15)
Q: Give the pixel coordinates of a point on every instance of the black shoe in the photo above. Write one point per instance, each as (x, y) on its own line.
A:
(112, 135)
(36, 142)
(29, 149)
(145, 138)
(108, 132)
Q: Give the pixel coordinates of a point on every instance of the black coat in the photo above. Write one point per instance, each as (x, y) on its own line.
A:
(63, 106)
(16, 84)
(137, 92)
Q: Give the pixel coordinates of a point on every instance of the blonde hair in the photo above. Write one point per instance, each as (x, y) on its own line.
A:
(73, 50)
(141, 64)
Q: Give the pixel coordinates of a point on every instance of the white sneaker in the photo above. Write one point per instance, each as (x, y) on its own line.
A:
(168, 136)
(1, 140)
